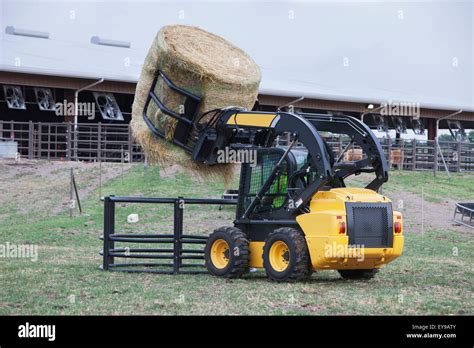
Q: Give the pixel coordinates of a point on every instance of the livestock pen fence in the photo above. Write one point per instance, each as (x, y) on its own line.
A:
(114, 143)
(410, 154)
(68, 141)
(422, 155)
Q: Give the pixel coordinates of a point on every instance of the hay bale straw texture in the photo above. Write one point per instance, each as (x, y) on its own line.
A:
(203, 64)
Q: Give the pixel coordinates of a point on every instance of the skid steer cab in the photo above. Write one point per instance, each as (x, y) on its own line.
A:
(295, 213)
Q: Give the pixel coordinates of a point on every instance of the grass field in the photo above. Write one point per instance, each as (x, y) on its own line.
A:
(434, 276)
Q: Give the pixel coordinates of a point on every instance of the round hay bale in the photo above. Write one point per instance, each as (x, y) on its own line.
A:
(201, 63)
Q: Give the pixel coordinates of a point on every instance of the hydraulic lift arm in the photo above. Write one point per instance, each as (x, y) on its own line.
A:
(360, 135)
(261, 129)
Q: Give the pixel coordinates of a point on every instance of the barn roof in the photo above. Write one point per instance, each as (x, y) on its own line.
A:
(351, 51)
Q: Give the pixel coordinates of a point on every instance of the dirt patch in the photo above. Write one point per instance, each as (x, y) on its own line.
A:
(41, 188)
(421, 215)
(38, 188)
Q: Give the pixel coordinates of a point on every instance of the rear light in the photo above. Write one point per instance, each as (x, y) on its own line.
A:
(397, 227)
(342, 228)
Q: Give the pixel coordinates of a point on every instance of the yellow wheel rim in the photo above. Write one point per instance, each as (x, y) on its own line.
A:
(279, 256)
(220, 253)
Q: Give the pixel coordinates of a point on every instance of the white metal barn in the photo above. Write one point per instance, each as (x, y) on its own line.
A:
(345, 56)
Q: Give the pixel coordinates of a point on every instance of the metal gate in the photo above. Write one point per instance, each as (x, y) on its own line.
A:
(172, 253)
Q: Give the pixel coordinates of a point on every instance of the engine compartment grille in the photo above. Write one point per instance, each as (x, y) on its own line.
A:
(370, 224)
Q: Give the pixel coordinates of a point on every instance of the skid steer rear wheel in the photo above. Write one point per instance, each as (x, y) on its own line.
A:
(358, 273)
(227, 252)
(286, 256)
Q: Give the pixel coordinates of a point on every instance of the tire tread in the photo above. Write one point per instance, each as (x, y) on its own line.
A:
(302, 269)
(239, 240)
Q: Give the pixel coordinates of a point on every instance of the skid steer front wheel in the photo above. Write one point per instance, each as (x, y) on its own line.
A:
(286, 256)
(227, 252)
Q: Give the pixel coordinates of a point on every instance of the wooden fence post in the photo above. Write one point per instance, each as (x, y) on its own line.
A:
(130, 145)
(458, 149)
(30, 139)
(402, 154)
(49, 141)
(339, 146)
(413, 154)
(68, 139)
(99, 140)
(389, 149)
(40, 136)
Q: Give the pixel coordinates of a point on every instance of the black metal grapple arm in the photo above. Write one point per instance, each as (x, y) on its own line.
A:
(361, 136)
(237, 128)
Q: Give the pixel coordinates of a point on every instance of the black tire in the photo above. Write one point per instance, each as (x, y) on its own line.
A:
(358, 273)
(298, 260)
(237, 255)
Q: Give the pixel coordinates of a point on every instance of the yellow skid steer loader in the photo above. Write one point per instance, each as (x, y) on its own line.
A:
(294, 213)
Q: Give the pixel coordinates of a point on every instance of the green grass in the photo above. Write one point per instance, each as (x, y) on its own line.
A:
(436, 189)
(434, 276)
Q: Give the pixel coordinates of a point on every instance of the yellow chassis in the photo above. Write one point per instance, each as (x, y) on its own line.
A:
(328, 248)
